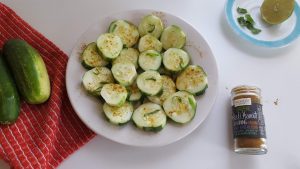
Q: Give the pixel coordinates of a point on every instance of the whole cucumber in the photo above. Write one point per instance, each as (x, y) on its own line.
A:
(9, 97)
(28, 69)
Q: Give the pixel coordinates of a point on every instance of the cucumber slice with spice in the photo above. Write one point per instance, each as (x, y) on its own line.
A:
(175, 59)
(124, 73)
(114, 94)
(94, 79)
(91, 58)
(180, 107)
(150, 117)
(126, 31)
(149, 42)
(152, 25)
(150, 60)
(168, 88)
(110, 45)
(134, 92)
(130, 55)
(149, 82)
(118, 115)
(193, 79)
(173, 37)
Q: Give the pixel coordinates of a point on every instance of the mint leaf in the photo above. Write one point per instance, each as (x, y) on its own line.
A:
(249, 18)
(241, 10)
(241, 20)
(248, 22)
(255, 30)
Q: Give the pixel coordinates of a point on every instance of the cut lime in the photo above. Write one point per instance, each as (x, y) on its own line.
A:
(276, 11)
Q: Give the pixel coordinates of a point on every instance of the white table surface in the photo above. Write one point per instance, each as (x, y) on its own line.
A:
(276, 71)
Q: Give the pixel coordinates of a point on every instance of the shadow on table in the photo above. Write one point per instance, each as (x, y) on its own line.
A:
(247, 47)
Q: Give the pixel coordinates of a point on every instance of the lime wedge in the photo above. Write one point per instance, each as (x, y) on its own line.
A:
(276, 11)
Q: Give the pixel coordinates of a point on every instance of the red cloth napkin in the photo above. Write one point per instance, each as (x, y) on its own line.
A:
(44, 135)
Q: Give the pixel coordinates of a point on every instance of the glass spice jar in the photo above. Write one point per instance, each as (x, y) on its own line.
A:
(248, 121)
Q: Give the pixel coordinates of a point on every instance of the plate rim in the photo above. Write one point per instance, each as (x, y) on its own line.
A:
(214, 98)
(270, 44)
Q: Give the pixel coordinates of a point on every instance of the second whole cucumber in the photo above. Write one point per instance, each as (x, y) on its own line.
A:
(28, 69)
(9, 97)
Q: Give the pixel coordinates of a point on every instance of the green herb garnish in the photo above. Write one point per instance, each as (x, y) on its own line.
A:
(152, 54)
(151, 28)
(247, 21)
(153, 112)
(177, 99)
(241, 20)
(253, 29)
(242, 10)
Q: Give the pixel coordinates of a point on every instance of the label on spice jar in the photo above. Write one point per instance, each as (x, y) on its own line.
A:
(242, 102)
(248, 121)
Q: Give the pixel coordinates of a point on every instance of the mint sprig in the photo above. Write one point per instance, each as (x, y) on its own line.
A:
(247, 21)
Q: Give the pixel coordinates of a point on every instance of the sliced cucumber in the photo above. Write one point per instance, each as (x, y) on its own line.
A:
(149, 42)
(134, 92)
(175, 59)
(128, 55)
(173, 37)
(152, 25)
(126, 31)
(110, 45)
(149, 82)
(118, 115)
(193, 79)
(180, 107)
(150, 60)
(114, 94)
(94, 79)
(91, 58)
(168, 88)
(124, 73)
(149, 117)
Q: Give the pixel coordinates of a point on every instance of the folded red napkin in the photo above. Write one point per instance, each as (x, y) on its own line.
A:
(44, 135)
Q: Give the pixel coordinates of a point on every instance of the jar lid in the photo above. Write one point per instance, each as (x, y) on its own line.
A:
(245, 88)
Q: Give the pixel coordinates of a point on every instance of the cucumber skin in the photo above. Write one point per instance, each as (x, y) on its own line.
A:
(153, 129)
(150, 129)
(86, 66)
(9, 97)
(202, 91)
(28, 69)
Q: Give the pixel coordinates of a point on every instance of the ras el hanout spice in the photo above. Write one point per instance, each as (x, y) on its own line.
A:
(248, 121)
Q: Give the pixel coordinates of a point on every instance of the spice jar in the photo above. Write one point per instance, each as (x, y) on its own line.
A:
(248, 121)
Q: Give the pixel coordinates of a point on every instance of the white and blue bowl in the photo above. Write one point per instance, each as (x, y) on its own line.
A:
(272, 36)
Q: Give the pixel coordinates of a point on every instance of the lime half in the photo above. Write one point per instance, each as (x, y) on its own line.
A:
(276, 11)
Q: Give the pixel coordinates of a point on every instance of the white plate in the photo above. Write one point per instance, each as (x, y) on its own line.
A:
(89, 109)
(272, 36)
